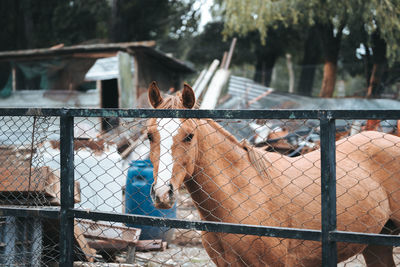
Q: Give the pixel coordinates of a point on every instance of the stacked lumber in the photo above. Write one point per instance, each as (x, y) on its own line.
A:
(107, 239)
(21, 185)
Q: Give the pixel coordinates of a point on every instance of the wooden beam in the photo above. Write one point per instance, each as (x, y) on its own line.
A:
(94, 55)
(83, 243)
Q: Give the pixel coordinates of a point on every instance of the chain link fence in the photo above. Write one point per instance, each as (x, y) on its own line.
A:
(258, 201)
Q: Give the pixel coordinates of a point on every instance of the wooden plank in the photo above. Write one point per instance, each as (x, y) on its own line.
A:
(94, 55)
(151, 245)
(99, 264)
(42, 188)
(110, 232)
(55, 188)
(108, 245)
(83, 243)
(68, 50)
(16, 179)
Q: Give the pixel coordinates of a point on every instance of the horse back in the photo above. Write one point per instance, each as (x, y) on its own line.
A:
(377, 155)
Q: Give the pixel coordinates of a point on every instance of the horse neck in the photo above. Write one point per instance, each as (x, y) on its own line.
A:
(219, 172)
(215, 144)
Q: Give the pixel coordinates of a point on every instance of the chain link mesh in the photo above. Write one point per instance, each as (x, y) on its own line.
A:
(113, 174)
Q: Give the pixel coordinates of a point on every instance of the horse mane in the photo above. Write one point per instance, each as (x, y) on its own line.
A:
(255, 155)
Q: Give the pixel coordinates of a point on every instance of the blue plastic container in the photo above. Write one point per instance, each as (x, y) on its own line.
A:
(138, 200)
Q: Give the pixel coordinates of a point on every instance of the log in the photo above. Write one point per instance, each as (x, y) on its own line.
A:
(199, 79)
(214, 90)
(206, 79)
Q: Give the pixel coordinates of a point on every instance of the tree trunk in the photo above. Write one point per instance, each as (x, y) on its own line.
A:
(312, 54)
(329, 79)
(375, 88)
(115, 24)
(331, 47)
(264, 68)
(28, 25)
(291, 72)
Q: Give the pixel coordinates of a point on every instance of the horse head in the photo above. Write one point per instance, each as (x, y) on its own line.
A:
(173, 145)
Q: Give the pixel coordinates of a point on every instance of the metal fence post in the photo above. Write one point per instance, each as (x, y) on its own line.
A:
(67, 190)
(328, 189)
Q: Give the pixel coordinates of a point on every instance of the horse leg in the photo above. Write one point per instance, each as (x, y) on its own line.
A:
(212, 245)
(378, 256)
(381, 256)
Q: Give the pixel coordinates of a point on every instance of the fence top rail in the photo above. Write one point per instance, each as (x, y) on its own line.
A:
(213, 114)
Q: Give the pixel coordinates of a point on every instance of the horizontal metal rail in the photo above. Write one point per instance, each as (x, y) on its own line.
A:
(213, 114)
(281, 232)
(26, 211)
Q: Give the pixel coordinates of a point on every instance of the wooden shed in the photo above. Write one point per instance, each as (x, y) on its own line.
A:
(64, 76)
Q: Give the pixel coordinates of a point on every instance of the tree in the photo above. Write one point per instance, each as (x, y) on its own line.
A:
(183, 30)
(311, 57)
(330, 18)
(78, 21)
(379, 64)
(43, 23)
(169, 22)
(248, 49)
(201, 54)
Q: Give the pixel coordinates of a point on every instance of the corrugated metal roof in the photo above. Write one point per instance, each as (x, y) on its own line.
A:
(243, 87)
(239, 87)
(279, 100)
(105, 69)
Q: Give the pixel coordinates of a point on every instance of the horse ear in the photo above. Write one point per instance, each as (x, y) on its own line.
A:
(188, 98)
(154, 95)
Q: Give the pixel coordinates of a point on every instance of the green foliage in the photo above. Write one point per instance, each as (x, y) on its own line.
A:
(201, 54)
(77, 21)
(152, 19)
(244, 16)
(182, 29)
(43, 23)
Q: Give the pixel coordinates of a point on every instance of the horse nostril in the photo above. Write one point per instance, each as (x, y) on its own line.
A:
(171, 190)
(152, 192)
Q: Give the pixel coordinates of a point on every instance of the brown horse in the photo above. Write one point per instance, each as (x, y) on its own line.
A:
(233, 182)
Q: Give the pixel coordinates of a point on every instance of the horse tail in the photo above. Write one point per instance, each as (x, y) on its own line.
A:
(257, 158)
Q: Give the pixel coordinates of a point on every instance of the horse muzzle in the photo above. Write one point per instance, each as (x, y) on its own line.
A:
(163, 199)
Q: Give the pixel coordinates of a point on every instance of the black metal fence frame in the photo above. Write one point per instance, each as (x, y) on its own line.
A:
(328, 235)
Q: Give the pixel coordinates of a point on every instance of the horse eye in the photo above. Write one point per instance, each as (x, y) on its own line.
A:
(188, 138)
(150, 137)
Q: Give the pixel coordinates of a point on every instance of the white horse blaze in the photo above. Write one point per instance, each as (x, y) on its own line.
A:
(167, 128)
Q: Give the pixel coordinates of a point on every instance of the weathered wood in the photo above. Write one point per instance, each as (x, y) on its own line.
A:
(97, 264)
(213, 92)
(16, 179)
(108, 245)
(43, 186)
(94, 55)
(207, 77)
(108, 239)
(230, 54)
(109, 232)
(83, 243)
(94, 48)
(151, 245)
